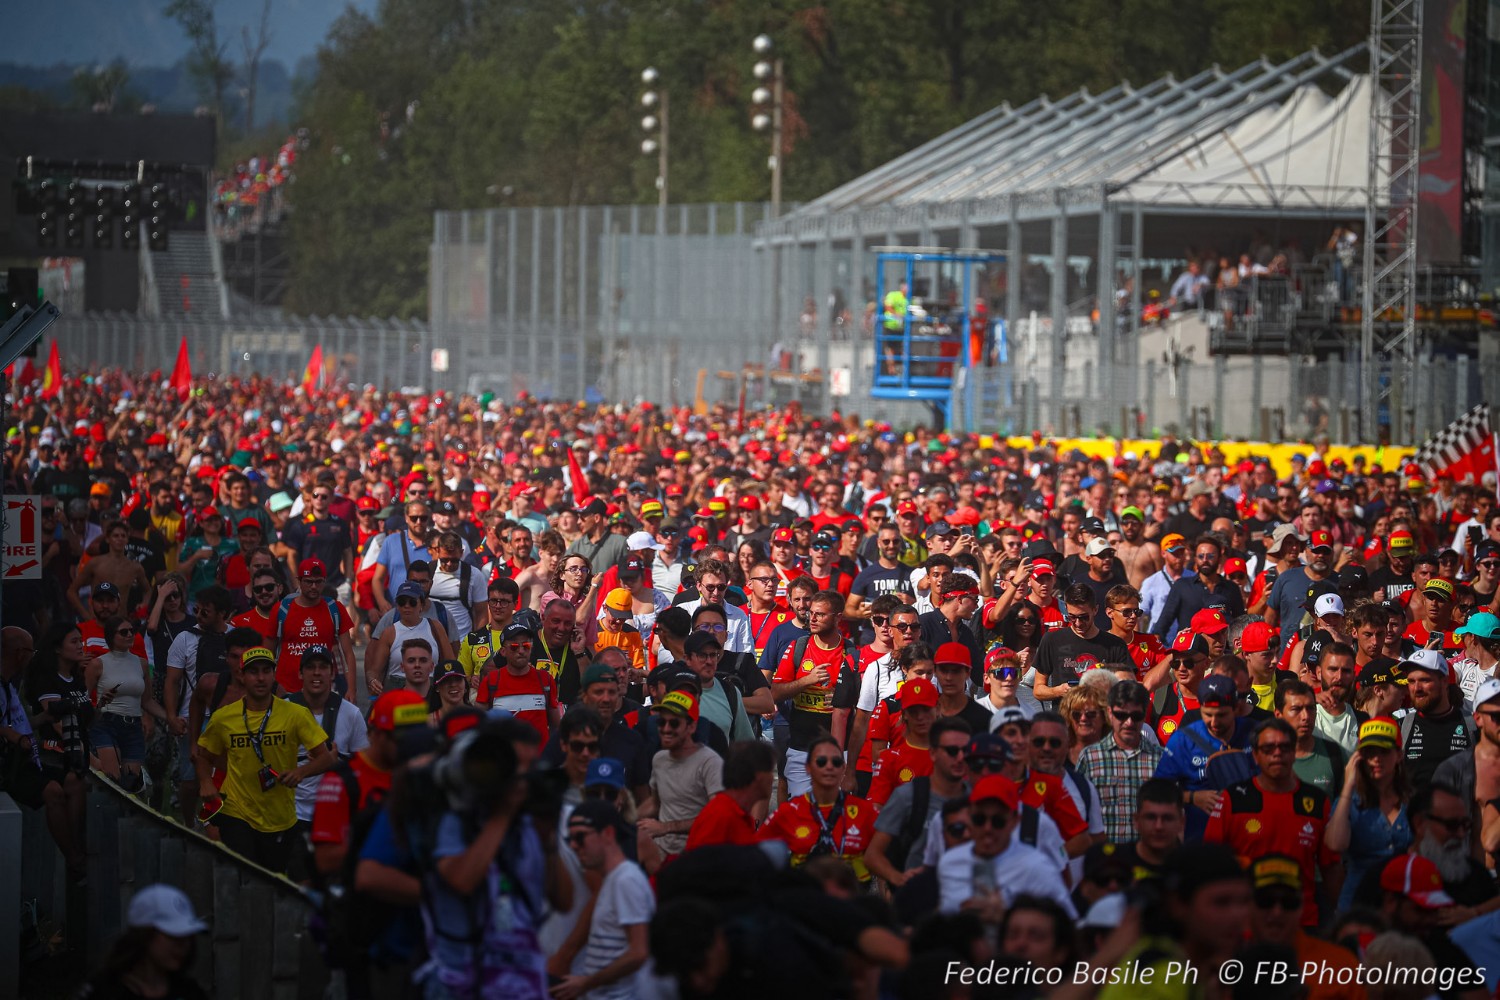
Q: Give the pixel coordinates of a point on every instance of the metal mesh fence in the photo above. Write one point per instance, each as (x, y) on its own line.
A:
(686, 304)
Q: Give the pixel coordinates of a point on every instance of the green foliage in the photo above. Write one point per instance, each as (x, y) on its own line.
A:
(469, 104)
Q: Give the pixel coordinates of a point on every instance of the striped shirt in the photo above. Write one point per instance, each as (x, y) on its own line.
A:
(625, 900)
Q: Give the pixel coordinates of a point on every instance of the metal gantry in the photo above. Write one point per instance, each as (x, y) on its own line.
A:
(1388, 317)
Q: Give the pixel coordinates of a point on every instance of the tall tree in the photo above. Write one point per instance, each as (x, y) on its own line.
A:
(255, 47)
(208, 63)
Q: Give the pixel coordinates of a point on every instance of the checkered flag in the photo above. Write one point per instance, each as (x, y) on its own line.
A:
(1464, 450)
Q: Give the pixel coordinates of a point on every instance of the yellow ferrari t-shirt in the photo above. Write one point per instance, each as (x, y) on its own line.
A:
(232, 731)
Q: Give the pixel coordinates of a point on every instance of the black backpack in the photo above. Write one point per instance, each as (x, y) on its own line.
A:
(911, 829)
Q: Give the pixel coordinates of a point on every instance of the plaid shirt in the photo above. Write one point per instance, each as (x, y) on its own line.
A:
(1118, 774)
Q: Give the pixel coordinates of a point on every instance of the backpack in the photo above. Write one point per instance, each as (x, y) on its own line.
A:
(330, 718)
(348, 922)
(851, 654)
(209, 660)
(906, 839)
(1225, 767)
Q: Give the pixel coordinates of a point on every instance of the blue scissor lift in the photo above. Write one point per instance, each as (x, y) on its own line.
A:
(920, 359)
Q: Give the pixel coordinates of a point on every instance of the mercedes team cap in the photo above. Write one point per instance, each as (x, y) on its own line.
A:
(164, 908)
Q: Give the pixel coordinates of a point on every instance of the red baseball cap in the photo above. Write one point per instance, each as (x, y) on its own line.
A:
(919, 691)
(1319, 540)
(1416, 878)
(248, 522)
(907, 507)
(398, 708)
(522, 490)
(996, 786)
(208, 512)
(367, 502)
(1256, 638)
(782, 535)
(1042, 567)
(1209, 621)
(674, 490)
(953, 652)
(749, 502)
(704, 513)
(311, 567)
(1234, 565)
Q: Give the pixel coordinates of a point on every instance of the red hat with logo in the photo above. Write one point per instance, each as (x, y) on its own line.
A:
(783, 535)
(1043, 567)
(1319, 540)
(1209, 621)
(1418, 879)
(311, 567)
(674, 490)
(367, 502)
(918, 692)
(906, 507)
(749, 502)
(398, 708)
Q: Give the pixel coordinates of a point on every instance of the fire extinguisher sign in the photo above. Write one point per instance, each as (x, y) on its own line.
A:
(23, 548)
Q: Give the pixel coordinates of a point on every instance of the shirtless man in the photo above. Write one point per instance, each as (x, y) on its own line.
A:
(1139, 556)
(536, 579)
(112, 566)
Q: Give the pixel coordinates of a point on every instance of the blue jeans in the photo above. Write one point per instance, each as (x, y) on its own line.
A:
(122, 733)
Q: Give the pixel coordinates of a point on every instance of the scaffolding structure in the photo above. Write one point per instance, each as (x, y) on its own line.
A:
(1388, 320)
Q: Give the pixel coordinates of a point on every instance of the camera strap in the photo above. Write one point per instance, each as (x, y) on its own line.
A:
(256, 737)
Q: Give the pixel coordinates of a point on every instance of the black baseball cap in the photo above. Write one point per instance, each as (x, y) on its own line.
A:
(698, 642)
(315, 654)
(106, 589)
(444, 507)
(517, 630)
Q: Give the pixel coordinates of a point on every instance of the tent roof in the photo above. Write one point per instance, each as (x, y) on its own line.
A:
(1264, 135)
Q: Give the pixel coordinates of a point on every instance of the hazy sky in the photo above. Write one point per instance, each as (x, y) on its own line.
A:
(73, 31)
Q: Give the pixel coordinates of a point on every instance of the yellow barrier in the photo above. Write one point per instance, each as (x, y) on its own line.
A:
(1280, 455)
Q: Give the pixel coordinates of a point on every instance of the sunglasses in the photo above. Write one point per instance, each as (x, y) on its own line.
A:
(1005, 673)
(828, 762)
(1085, 713)
(1285, 901)
(265, 588)
(407, 602)
(904, 626)
(576, 839)
(584, 746)
(1128, 716)
(368, 513)
(954, 752)
(986, 765)
(127, 630)
(1274, 749)
(713, 588)
(957, 829)
(670, 723)
(1025, 621)
(418, 518)
(1046, 743)
(322, 496)
(761, 579)
(1128, 612)
(822, 547)
(1453, 825)
(981, 820)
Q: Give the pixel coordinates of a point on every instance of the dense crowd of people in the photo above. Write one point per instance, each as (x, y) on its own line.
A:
(545, 699)
(255, 187)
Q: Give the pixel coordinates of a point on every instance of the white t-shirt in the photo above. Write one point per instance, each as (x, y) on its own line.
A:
(1048, 840)
(349, 738)
(924, 600)
(447, 589)
(1093, 809)
(625, 900)
(881, 679)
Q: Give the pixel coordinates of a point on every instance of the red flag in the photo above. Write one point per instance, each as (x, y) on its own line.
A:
(52, 375)
(312, 375)
(182, 373)
(580, 484)
(739, 418)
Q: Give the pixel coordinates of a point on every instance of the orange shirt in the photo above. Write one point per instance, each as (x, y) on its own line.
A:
(900, 763)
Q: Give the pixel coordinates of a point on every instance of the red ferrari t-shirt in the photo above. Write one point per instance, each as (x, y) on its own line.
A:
(332, 811)
(1046, 792)
(797, 824)
(1255, 822)
(762, 624)
(898, 765)
(529, 696)
(722, 821)
(1146, 651)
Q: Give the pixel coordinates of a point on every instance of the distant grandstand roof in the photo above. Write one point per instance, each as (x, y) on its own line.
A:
(1264, 136)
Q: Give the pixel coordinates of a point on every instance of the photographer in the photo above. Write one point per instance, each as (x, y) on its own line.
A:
(470, 839)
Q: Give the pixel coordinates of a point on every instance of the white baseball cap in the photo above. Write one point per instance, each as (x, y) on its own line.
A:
(1098, 546)
(1328, 604)
(1430, 660)
(165, 908)
(640, 540)
(1488, 690)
